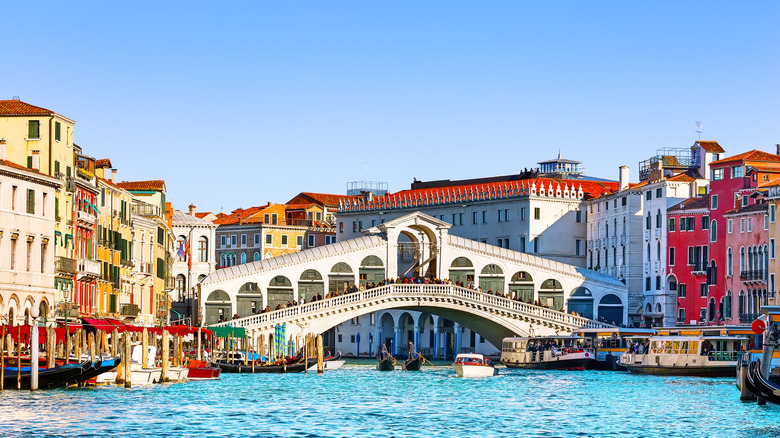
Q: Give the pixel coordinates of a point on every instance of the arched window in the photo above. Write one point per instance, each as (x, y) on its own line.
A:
(257, 256)
(658, 219)
(741, 260)
(713, 231)
(729, 262)
(203, 249)
(648, 221)
(606, 229)
(243, 258)
(658, 252)
(624, 226)
(649, 257)
(727, 305)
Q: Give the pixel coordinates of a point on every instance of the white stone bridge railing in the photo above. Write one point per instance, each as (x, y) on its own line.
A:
(424, 294)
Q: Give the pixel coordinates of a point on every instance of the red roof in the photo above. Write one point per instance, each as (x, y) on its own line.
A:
(297, 206)
(202, 215)
(681, 177)
(699, 202)
(754, 155)
(155, 184)
(19, 166)
(238, 216)
(19, 108)
(103, 162)
(321, 198)
(710, 146)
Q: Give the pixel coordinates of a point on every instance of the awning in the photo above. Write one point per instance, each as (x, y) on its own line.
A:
(228, 332)
(24, 331)
(119, 325)
(98, 324)
(93, 207)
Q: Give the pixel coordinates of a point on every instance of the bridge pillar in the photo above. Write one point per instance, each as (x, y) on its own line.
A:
(457, 331)
(378, 338)
(436, 342)
(417, 330)
(396, 339)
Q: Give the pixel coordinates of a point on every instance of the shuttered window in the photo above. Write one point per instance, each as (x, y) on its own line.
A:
(57, 129)
(30, 201)
(34, 129)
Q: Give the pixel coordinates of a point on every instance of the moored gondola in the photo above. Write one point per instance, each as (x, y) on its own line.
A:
(415, 361)
(386, 362)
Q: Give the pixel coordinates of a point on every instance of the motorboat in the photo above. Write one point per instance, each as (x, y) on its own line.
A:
(473, 365)
(711, 356)
(200, 370)
(548, 352)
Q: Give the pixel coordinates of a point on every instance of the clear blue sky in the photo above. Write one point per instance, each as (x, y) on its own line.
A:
(237, 104)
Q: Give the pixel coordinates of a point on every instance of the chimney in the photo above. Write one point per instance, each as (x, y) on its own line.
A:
(36, 160)
(2, 149)
(113, 176)
(367, 196)
(623, 180)
(777, 147)
(192, 209)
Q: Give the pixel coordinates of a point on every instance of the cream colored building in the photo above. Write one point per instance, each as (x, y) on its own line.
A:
(27, 243)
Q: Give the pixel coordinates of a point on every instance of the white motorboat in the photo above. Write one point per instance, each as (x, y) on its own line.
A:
(473, 365)
(548, 352)
(709, 356)
(328, 365)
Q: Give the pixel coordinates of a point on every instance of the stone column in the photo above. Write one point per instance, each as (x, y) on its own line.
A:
(436, 340)
(396, 339)
(457, 331)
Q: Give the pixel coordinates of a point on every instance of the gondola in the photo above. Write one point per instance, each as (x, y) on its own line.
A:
(761, 386)
(57, 377)
(414, 364)
(386, 364)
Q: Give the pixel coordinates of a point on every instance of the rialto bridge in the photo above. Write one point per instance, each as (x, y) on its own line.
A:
(420, 245)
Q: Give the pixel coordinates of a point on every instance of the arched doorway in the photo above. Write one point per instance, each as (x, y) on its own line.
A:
(249, 299)
(280, 291)
(371, 270)
(521, 287)
(551, 294)
(581, 302)
(340, 278)
(462, 272)
(611, 309)
(711, 310)
(491, 278)
(310, 285)
(218, 307)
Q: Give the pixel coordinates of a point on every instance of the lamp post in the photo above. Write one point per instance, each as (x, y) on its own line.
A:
(34, 313)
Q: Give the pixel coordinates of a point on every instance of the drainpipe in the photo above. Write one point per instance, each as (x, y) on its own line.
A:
(51, 121)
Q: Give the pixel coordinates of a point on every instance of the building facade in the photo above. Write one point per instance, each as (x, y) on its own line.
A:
(194, 259)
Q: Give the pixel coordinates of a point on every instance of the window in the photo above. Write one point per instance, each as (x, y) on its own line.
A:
(766, 217)
(460, 218)
(299, 241)
(649, 221)
(623, 201)
(578, 216)
(57, 131)
(681, 315)
(672, 225)
(203, 249)
(681, 290)
(729, 262)
(43, 257)
(284, 241)
(714, 231)
(233, 241)
(257, 239)
(311, 241)
(749, 224)
(243, 240)
(671, 256)
(269, 239)
(273, 218)
(360, 224)
(484, 216)
(714, 201)
(730, 225)
(474, 217)
(606, 205)
(13, 197)
(330, 239)
(742, 225)
(772, 212)
(33, 129)
(257, 257)
(658, 219)
(266, 218)
(318, 215)
(537, 244)
(657, 282)
(13, 253)
(703, 290)
(659, 192)
(537, 213)
(30, 201)
(354, 226)
(341, 227)
(647, 283)
(522, 244)
(717, 174)
(454, 221)
(506, 215)
(649, 195)
(577, 247)
(772, 248)
(243, 259)
(222, 241)
(736, 172)
(29, 255)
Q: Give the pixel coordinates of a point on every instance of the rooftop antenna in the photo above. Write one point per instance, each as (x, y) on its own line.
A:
(698, 128)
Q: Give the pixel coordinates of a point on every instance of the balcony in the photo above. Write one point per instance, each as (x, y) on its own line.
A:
(145, 268)
(88, 269)
(145, 210)
(129, 310)
(64, 265)
(126, 263)
(748, 318)
(699, 268)
(623, 239)
(86, 217)
(753, 276)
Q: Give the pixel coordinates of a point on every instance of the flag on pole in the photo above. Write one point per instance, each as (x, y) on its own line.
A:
(187, 253)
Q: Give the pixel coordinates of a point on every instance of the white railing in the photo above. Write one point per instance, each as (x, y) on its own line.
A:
(89, 267)
(420, 292)
(86, 217)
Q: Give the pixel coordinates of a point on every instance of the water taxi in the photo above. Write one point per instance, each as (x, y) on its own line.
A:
(473, 365)
(711, 356)
(548, 352)
(611, 343)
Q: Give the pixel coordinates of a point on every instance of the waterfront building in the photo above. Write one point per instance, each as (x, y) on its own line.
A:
(615, 227)
(539, 211)
(746, 265)
(152, 247)
(666, 179)
(772, 191)
(114, 245)
(42, 140)
(733, 182)
(688, 258)
(194, 258)
(27, 230)
(84, 218)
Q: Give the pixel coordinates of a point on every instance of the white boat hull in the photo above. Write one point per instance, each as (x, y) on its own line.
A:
(474, 370)
(329, 365)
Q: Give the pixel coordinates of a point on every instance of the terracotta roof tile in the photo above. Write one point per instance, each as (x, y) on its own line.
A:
(699, 202)
(681, 177)
(156, 184)
(753, 208)
(19, 167)
(710, 146)
(238, 216)
(324, 198)
(103, 162)
(19, 108)
(754, 155)
(202, 214)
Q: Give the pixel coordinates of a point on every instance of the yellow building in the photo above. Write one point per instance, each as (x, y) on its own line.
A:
(42, 140)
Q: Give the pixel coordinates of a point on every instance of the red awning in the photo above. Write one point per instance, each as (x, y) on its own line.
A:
(98, 324)
(24, 331)
(120, 326)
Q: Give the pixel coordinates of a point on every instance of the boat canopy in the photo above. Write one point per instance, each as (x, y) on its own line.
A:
(228, 332)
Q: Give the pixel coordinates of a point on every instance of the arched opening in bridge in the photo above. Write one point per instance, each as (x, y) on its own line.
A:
(280, 292)
(249, 299)
(491, 279)
(408, 254)
(218, 307)
(462, 271)
(581, 302)
(340, 278)
(371, 271)
(406, 332)
(611, 309)
(417, 252)
(310, 285)
(551, 294)
(386, 332)
(521, 287)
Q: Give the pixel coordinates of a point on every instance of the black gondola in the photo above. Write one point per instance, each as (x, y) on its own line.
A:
(57, 377)
(761, 386)
(415, 361)
(386, 361)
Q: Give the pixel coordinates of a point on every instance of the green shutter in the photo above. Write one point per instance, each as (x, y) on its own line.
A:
(56, 207)
(33, 129)
(57, 131)
(30, 201)
(29, 162)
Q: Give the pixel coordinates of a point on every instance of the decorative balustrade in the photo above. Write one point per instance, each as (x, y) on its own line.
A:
(421, 293)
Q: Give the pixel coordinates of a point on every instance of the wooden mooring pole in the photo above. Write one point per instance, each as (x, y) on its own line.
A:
(320, 363)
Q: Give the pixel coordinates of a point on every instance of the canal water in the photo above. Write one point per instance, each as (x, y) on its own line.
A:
(357, 401)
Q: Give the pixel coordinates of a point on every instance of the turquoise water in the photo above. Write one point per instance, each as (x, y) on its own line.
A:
(356, 401)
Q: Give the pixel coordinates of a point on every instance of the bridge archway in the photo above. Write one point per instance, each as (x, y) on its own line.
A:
(249, 299)
(462, 271)
(310, 285)
(491, 278)
(340, 278)
(218, 307)
(581, 302)
(611, 309)
(371, 271)
(386, 330)
(521, 287)
(551, 294)
(280, 292)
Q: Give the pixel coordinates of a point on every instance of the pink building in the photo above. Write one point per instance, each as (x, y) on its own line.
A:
(747, 257)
